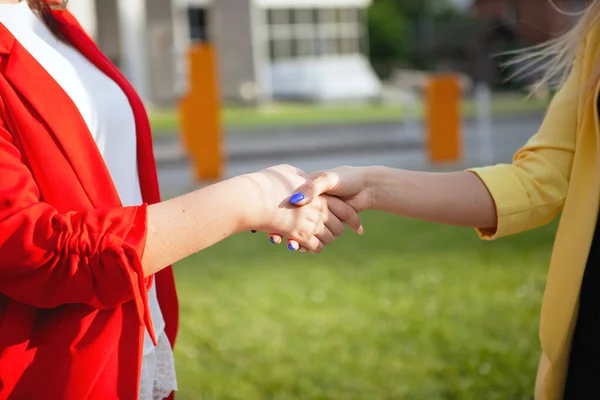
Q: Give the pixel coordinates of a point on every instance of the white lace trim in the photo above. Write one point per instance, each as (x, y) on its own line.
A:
(158, 372)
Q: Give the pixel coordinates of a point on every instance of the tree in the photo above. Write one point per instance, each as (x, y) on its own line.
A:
(392, 30)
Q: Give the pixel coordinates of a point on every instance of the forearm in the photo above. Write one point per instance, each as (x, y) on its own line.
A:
(455, 198)
(182, 226)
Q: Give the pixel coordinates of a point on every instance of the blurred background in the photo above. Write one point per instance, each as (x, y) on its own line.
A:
(410, 311)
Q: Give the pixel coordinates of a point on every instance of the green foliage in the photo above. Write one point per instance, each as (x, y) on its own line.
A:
(393, 27)
(390, 32)
(411, 310)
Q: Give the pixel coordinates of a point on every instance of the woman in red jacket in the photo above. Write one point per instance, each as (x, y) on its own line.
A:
(88, 308)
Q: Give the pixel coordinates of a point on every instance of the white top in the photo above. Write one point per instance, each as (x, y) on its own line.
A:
(109, 118)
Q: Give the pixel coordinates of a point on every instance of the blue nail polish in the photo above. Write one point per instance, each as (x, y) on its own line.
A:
(272, 240)
(297, 198)
(291, 247)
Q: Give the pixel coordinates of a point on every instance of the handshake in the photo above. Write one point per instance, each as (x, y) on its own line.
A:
(308, 210)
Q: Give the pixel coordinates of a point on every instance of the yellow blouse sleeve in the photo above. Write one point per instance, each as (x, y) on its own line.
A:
(531, 191)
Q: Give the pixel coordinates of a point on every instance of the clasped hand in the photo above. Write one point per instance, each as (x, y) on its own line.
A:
(310, 210)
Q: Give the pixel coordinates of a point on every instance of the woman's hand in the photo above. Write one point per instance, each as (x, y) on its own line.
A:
(346, 183)
(310, 227)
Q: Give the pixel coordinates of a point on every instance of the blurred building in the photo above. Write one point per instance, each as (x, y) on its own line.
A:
(138, 36)
(314, 50)
(497, 26)
(532, 21)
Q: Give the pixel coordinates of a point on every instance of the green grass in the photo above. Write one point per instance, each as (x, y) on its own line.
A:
(410, 311)
(165, 122)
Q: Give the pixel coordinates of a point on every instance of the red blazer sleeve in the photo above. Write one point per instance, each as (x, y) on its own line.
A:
(48, 259)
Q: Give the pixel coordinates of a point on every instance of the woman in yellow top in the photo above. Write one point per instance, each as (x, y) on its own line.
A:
(558, 170)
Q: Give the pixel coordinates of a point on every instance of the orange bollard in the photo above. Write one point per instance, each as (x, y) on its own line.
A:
(200, 115)
(443, 98)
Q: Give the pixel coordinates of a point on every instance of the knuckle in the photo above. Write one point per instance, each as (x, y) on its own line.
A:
(301, 235)
(327, 175)
(324, 213)
(309, 186)
(313, 244)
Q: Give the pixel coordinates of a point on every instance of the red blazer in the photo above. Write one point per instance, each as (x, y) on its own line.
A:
(73, 299)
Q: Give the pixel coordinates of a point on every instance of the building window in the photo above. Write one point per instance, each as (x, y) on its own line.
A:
(281, 49)
(314, 32)
(305, 48)
(349, 16)
(303, 17)
(279, 17)
(327, 16)
(349, 46)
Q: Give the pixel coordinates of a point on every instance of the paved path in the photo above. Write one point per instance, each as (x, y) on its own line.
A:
(397, 145)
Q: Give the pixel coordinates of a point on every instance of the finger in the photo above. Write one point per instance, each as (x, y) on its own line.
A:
(334, 224)
(293, 245)
(325, 235)
(275, 238)
(322, 183)
(313, 245)
(345, 213)
(357, 203)
(315, 175)
(305, 233)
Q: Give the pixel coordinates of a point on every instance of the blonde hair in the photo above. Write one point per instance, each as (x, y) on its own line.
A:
(555, 57)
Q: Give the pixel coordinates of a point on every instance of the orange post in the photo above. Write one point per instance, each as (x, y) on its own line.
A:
(443, 98)
(200, 115)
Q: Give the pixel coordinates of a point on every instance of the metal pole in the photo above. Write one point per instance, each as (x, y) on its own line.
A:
(483, 102)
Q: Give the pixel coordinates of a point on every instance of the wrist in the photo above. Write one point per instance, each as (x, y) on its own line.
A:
(251, 202)
(373, 177)
(241, 197)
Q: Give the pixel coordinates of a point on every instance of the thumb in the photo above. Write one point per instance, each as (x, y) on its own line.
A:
(306, 193)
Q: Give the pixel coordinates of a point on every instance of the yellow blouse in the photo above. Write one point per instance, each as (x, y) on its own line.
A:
(558, 170)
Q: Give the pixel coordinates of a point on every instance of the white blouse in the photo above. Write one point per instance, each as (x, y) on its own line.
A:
(109, 118)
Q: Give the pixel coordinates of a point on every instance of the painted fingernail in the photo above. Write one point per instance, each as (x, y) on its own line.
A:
(297, 198)
(291, 247)
(272, 240)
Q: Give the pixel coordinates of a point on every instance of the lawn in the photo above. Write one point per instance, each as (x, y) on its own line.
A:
(410, 311)
(165, 122)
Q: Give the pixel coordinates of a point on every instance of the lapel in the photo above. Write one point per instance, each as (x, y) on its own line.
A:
(56, 109)
(145, 151)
